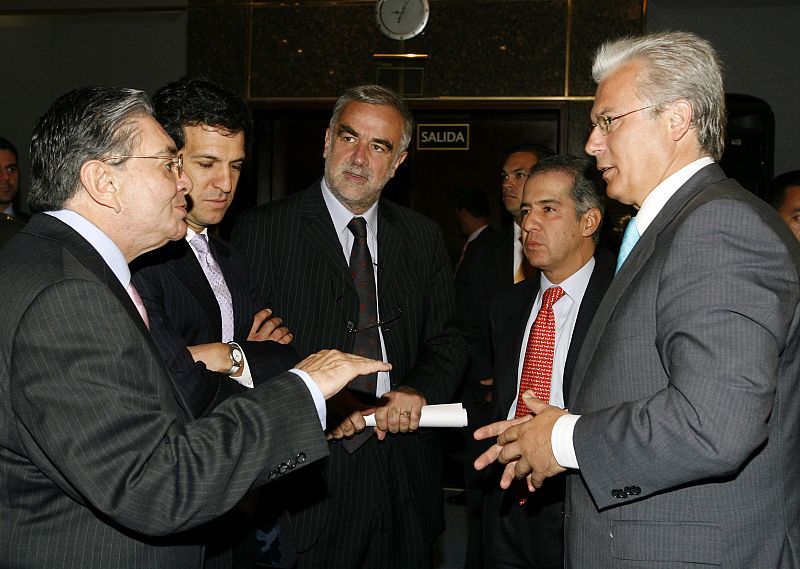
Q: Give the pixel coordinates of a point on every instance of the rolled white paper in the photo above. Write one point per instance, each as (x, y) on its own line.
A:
(446, 415)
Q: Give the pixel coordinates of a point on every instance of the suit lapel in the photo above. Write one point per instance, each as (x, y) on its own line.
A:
(518, 312)
(186, 270)
(595, 290)
(319, 231)
(637, 259)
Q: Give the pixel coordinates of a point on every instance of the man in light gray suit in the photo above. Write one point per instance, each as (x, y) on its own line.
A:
(100, 464)
(683, 431)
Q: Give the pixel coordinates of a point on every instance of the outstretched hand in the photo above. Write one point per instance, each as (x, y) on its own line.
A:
(332, 370)
(523, 444)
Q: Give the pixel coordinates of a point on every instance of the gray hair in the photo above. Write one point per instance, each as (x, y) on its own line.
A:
(85, 124)
(376, 95)
(679, 65)
(585, 192)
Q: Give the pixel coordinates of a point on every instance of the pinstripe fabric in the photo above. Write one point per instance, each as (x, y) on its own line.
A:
(296, 257)
(539, 524)
(688, 384)
(184, 312)
(98, 464)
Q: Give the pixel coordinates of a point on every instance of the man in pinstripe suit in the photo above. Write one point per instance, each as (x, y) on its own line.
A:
(101, 466)
(380, 504)
(186, 302)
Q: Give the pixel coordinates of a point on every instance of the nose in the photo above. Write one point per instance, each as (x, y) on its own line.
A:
(184, 183)
(5, 175)
(224, 181)
(529, 223)
(596, 142)
(359, 155)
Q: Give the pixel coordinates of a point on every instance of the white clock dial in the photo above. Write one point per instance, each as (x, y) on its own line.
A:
(402, 19)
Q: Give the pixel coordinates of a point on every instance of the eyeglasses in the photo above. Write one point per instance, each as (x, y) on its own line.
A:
(604, 122)
(172, 163)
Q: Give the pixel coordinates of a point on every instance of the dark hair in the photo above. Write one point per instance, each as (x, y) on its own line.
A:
(5, 144)
(777, 188)
(85, 124)
(376, 95)
(536, 149)
(586, 192)
(194, 101)
(475, 202)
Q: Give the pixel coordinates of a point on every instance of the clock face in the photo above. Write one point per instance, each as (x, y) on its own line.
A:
(402, 19)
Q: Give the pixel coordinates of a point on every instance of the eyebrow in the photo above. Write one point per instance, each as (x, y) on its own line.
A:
(350, 130)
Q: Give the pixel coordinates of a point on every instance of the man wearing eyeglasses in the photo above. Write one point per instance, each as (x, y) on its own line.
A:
(318, 256)
(198, 291)
(681, 435)
(103, 461)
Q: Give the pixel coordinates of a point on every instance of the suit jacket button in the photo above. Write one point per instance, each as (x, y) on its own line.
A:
(301, 458)
(633, 490)
(272, 475)
(618, 493)
(282, 468)
(291, 463)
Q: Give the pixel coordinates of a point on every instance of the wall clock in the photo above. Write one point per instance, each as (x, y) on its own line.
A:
(402, 19)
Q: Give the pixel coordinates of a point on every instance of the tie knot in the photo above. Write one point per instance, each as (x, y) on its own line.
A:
(358, 227)
(200, 243)
(551, 296)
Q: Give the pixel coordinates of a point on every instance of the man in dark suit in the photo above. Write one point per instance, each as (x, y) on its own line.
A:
(681, 433)
(561, 213)
(202, 303)
(9, 181)
(102, 466)
(784, 196)
(379, 501)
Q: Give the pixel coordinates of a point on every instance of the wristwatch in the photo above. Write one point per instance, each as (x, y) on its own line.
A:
(237, 358)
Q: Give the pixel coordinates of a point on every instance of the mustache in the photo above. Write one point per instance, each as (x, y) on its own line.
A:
(358, 170)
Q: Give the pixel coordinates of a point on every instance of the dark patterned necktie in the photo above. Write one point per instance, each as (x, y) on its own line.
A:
(367, 341)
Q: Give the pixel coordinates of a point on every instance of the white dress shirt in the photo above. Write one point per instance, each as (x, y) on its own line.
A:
(565, 311)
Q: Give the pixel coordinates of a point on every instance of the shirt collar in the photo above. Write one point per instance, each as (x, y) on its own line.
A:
(655, 200)
(101, 242)
(341, 216)
(190, 233)
(575, 285)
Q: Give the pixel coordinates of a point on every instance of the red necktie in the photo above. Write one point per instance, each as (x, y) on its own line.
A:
(537, 368)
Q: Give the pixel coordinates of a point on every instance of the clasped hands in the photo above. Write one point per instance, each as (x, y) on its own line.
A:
(398, 411)
(523, 445)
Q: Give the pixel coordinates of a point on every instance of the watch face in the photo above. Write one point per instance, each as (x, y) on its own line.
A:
(236, 355)
(402, 19)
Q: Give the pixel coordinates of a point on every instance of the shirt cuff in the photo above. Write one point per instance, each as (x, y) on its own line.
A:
(316, 395)
(246, 378)
(561, 441)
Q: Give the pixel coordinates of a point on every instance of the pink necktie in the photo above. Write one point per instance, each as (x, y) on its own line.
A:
(137, 301)
(537, 368)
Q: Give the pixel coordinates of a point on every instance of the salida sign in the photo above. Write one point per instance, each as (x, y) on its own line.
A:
(442, 137)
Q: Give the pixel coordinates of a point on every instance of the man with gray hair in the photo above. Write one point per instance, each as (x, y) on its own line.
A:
(101, 463)
(681, 435)
(561, 213)
(346, 268)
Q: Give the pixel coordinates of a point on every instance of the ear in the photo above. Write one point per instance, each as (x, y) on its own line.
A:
(680, 118)
(327, 143)
(591, 222)
(397, 162)
(98, 181)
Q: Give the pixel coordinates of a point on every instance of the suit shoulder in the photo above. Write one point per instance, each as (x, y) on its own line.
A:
(407, 217)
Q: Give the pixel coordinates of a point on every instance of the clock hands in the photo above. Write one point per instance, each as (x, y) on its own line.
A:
(402, 11)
